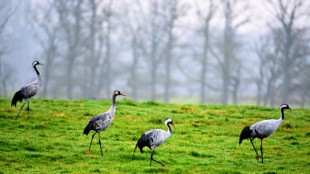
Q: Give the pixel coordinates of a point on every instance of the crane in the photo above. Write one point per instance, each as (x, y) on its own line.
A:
(262, 129)
(153, 139)
(102, 121)
(29, 90)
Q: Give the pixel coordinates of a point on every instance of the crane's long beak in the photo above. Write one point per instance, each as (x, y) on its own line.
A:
(291, 109)
(122, 94)
(173, 125)
(40, 63)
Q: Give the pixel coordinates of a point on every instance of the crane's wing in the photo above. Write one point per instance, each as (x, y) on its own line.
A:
(145, 140)
(91, 125)
(30, 90)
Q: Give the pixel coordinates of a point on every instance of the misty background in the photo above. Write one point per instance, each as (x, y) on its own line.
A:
(179, 51)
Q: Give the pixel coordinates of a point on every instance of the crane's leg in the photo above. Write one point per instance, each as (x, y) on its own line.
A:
(134, 150)
(28, 106)
(91, 142)
(257, 156)
(100, 143)
(22, 107)
(155, 160)
(261, 150)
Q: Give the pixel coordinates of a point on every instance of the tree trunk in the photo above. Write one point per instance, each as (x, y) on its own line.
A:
(69, 77)
(108, 61)
(204, 65)
(168, 66)
(287, 67)
(133, 81)
(93, 59)
(228, 36)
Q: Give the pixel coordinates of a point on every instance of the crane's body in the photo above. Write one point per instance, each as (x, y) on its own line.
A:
(262, 129)
(28, 91)
(102, 121)
(265, 128)
(153, 139)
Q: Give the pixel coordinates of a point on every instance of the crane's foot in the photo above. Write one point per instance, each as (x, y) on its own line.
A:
(257, 157)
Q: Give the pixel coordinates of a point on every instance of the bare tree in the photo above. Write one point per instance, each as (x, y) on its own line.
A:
(205, 19)
(105, 62)
(93, 49)
(174, 11)
(133, 24)
(70, 18)
(48, 42)
(152, 45)
(7, 9)
(287, 13)
(226, 54)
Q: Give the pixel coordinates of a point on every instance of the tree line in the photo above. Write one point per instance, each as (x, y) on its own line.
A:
(155, 51)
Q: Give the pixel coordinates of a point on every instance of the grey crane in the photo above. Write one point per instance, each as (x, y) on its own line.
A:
(154, 138)
(102, 121)
(29, 90)
(262, 130)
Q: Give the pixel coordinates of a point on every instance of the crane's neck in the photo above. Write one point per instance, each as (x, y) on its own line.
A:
(282, 114)
(38, 74)
(113, 107)
(35, 68)
(169, 129)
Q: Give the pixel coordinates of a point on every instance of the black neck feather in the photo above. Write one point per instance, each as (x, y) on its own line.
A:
(169, 128)
(35, 68)
(282, 113)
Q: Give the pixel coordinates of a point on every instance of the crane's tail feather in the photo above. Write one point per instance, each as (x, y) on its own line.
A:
(245, 134)
(87, 129)
(18, 96)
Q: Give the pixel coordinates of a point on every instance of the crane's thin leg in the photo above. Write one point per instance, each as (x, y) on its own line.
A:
(257, 156)
(100, 143)
(91, 142)
(22, 107)
(28, 108)
(134, 150)
(261, 150)
(155, 160)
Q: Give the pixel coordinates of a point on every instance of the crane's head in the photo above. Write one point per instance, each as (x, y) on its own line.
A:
(36, 63)
(169, 121)
(285, 106)
(117, 92)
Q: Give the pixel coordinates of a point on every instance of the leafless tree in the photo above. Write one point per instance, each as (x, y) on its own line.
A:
(287, 13)
(70, 18)
(153, 42)
(205, 19)
(93, 49)
(7, 9)
(46, 24)
(133, 23)
(226, 51)
(105, 62)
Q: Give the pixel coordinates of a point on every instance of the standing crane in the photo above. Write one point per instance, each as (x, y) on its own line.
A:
(102, 121)
(29, 90)
(262, 129)
(153, 139)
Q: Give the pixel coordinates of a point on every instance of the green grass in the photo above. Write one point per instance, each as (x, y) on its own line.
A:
(50, 139)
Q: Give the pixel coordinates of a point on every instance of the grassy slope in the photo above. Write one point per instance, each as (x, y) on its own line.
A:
(205, 139)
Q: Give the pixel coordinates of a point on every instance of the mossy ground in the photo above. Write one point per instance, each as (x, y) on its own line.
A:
(50, 139)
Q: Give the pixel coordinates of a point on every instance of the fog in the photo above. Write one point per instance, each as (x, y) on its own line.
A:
(178, 51)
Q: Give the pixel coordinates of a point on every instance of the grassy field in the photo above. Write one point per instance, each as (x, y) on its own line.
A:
(50, 139)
